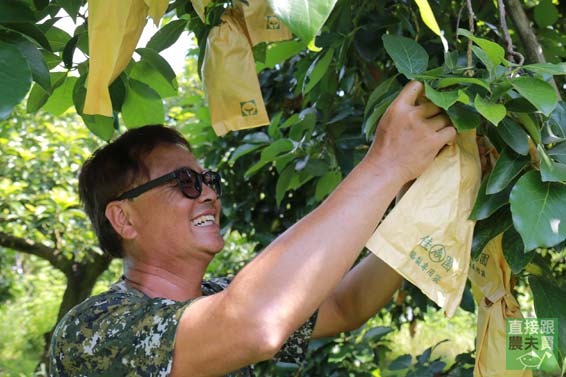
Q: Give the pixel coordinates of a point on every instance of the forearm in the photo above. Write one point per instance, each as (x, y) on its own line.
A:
(365, 290)
(289, 279)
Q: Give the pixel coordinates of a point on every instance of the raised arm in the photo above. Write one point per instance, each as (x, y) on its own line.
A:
(278, 291)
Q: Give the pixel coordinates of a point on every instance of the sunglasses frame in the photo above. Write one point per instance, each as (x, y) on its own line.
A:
(199, 179)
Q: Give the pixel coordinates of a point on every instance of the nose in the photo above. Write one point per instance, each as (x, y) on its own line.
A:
(207, 194)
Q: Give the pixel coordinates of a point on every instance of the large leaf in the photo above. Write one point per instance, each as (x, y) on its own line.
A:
(558, 152)
(464, 117)
(508, 166)
(445, 99)
(546, 14)
(167, 35)
(486, 205)
(550, 171)
(62, 97)
(538, 211)
(554, 128)
(538, 92)
(514, 136)
(15, 11)
(15, 78)
(514, 250)
(486, 230)
(494, 112)
(317, 70)
(409, 57)
(159, 63)
(494, 51)
(547, 68)
(149, 75)
(549, 303)
(383, 89)
(450, 81)
(304, 18)
(39, 70)
(100, 125)
(30, 31)
(327, 183)
(71, 7)
(142, 106)
(277, 53)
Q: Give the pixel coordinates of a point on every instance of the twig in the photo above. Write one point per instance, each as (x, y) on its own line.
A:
(471, 26)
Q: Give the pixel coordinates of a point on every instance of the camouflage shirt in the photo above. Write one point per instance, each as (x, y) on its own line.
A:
(123, 332)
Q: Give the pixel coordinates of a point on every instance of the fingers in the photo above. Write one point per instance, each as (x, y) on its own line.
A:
(438, 122)
(411, 93)
(428, 109)
(447, 135)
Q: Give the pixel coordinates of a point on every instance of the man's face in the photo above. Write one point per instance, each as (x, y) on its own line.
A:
(167, 223)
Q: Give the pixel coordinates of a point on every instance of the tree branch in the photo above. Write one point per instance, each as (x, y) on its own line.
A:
(532, 47)
(28, 246)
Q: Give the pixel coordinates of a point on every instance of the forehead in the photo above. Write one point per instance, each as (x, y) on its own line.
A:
(168, 157)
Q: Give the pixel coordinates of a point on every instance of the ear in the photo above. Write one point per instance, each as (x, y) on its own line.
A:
(119, 217)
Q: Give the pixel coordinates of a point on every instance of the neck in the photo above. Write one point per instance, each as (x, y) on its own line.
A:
(176, 281)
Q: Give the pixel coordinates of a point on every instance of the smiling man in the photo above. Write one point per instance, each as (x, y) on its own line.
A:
(152, 204)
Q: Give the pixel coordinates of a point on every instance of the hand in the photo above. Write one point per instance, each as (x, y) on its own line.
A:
(410, 134)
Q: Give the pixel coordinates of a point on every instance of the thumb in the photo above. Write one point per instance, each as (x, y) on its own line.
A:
(411, 93)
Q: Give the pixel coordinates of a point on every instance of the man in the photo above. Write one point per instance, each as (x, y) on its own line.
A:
(153, 204)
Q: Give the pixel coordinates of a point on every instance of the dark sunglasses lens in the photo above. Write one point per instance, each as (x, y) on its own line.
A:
(189, 183)
(213, 180)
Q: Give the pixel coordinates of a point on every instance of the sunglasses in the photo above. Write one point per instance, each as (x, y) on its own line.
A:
(189, 182)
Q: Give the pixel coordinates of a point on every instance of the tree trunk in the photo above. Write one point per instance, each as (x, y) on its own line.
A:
(80, 282)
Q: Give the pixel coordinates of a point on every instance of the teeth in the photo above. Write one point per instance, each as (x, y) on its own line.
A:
(203, 220)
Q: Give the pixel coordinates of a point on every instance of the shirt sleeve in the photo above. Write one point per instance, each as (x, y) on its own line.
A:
(295, 348)
(117, 336)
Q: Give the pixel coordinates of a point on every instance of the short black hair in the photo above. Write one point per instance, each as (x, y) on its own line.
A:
(114, 168)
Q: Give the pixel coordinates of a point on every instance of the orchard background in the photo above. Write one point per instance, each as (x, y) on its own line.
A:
(500, 71)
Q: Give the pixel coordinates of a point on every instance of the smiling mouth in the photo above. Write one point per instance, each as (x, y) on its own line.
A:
(204, 220)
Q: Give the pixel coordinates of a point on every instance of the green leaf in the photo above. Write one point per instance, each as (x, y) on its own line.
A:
(546, 68)
(57, 38)
(493, 112)
(495, 52)
(15, 11)
(514, 251)
(549, 303)
(382, 90)
(450, 81)
(283, 183)
(486, 230)
(401, 362)
(277, 53)
(538, 92)
(30, 31)
(551, 171)
(327, 183)
(39, 70)
(538, 211)
(101, 126)
(554, 128)
(142, 106)
(486, 205)
(146, 73)
(38, 96)
(71, 7)
(530, 125)
(409, 57)
(167, 35)
(508, 166)
(514, 136)
(317, 70)
(269, 154)
(15, 78)
(62, 97)
(463, 117)
(304, 18)
(371, 122)
(243, 150)
(68, 52)
(558, 152)
(445, 99)
(159, 63)
(546, 14)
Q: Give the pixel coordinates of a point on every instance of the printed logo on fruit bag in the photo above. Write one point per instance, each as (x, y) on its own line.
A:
(248, 108)
(431, 258)
(479, 265)
(272, 23)
(532, 343)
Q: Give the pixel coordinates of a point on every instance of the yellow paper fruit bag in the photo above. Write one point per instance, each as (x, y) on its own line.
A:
(427, 236)
(114, 29)
(230, 80)
(490, 275)
(261, 23)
